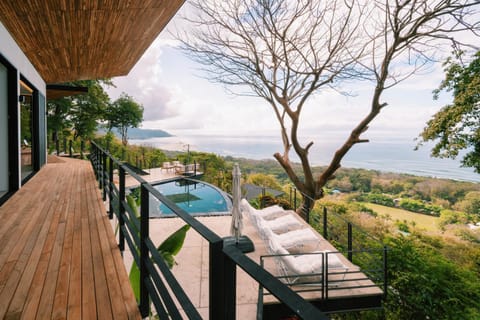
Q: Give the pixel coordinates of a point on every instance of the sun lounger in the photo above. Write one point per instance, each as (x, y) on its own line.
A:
(167, 166)
(245, 206)
(308, 268)
(296, 241)
(268, 213)
(279, 225)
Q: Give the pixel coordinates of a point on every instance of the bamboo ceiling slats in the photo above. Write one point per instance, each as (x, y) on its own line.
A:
(84, 39)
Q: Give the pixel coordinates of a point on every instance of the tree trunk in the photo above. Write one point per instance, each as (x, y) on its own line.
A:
(305, 208)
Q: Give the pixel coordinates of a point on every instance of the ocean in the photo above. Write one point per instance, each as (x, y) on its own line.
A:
(390, 156)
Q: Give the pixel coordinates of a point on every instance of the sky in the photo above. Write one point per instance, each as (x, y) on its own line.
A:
(176, 99)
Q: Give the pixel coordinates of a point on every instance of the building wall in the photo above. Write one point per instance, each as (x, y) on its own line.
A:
(12, 52)
(4, 182)
(18, 67)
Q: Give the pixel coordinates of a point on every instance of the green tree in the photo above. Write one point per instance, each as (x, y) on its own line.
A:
(470, 203)
(87, 110)
(264, 180)
(456, 126)
(285, 52)
(426, 285)
(79, 114)
(124, 113)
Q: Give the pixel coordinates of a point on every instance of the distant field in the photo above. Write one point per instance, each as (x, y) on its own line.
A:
(428, 223)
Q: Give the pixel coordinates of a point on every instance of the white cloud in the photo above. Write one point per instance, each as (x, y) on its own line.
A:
(146, 84)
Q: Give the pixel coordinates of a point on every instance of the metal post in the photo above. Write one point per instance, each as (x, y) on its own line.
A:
(144, 256)
(70, 147)
(222, 284)
(216, 310)
(121, 209)
(57, 144)
(295, 199)
(385, 274)
(104, 176)
(82, 146)
(230, 288)
(325, 223)
(307, 208)
(262, 203)
(99, 168)
(194, 168)
(350, 253)
(290, 196)
(110, 188)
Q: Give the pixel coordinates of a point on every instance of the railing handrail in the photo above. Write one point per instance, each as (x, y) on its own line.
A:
(291, 299)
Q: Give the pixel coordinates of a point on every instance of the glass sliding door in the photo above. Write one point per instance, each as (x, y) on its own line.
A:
(4, 154)
(26, 130)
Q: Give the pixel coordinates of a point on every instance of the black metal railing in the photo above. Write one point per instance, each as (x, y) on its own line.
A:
(158, 285)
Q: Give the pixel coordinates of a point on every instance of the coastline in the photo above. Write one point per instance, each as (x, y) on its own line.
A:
(387, 156)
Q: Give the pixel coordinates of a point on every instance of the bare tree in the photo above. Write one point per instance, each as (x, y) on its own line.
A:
(287, 51)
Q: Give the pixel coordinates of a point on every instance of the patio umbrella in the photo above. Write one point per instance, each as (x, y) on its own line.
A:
(237, 224)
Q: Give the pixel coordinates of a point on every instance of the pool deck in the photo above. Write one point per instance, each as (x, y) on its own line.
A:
(155, 174)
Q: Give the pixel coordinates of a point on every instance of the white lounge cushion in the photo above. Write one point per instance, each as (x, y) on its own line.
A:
(267, 213)
(299, 241)
(304, 268)
(280, 225)
(333, 260)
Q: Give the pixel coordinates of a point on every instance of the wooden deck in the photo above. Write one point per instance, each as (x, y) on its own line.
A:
(58, 255)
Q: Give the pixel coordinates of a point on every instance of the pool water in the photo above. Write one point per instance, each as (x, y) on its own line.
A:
(193, 196)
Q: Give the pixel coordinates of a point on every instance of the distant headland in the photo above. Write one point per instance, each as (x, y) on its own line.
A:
(140, 134)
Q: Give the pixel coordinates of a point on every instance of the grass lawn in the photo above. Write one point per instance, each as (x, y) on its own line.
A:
(422, 221)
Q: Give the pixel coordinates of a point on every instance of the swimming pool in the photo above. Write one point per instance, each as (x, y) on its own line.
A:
(193, 196)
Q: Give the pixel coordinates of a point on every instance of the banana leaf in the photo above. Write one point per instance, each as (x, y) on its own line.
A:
(167, 249)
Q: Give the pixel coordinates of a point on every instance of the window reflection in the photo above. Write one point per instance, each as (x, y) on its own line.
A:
(26, 130)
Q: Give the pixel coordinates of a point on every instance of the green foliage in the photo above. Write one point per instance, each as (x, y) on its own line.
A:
(425, 285)
(167, 249)
(420, 207)
(403, 226)
(470, 204)
(140, 156)
(77, 116)
(124, 113)
(452, 217)
(172, 245)
(267, 201)
(264, 180)
(456, 127)
(377, 198)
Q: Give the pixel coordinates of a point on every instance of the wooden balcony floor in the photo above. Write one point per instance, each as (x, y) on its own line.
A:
(58, 255)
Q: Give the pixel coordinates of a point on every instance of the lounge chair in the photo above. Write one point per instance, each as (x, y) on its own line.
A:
(308, 268)
(265, 211)
(296, 241)
(268, 213)
(167, 166)
(279, 225)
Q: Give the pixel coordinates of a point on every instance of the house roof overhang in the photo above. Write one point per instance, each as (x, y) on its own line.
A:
(74, 40)
(57, 91)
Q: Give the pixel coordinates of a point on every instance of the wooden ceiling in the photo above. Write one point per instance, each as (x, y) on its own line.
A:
(85, 39)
